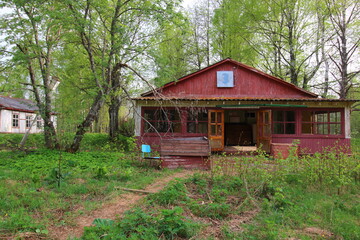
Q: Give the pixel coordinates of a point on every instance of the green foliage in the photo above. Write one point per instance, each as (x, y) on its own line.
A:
(137, 224)
(27, 184)
(91, 142)
(212, 210)
(173, 193)
(11, 141)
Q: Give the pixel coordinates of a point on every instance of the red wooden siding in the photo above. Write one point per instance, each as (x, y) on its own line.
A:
(248, 83)
(311, 145)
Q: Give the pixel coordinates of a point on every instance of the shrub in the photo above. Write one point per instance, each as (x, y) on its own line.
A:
(173, 193)
(137, 224)
(211, 210)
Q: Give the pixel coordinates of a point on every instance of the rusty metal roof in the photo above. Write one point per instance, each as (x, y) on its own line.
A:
(245, 99)
(17, 104)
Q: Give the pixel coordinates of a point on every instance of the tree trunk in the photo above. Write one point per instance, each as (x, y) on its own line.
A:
(91, 116)
(114, 117)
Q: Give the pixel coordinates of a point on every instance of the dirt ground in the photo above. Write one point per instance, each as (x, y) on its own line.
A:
(113, 209)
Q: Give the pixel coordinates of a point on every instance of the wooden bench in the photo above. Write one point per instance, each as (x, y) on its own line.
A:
(192, 152)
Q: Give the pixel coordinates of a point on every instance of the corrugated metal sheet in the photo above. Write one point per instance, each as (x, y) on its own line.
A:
(17, 104)
(245, 99)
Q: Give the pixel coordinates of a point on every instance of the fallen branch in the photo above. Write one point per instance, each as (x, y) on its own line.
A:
(134, 190)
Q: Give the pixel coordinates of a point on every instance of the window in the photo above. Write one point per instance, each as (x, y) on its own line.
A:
(28, 119)
(321, 122)
(284, 122)
(197, 121)
(15, 120)
(38, 122)
(162, 120)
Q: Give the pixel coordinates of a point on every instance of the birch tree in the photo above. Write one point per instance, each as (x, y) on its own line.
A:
(345, 20)
(33, 34)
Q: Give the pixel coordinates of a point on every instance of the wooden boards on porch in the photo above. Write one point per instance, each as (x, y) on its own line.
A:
(185, 152)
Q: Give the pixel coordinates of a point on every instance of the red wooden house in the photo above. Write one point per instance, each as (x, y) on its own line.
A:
(236, 105)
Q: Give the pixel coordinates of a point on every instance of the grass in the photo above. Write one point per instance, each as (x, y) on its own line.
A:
(287, 201)
(31, 197)
(315, 198)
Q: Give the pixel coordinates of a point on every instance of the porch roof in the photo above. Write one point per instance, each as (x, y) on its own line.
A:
(247, 99)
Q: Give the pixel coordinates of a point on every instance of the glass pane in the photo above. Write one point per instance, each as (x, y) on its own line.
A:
(278, 128)
(267, 131)
(162, 127)
(161, 115)
(213, 130)
(335, 129)
(321, 117)
(213, 117)
(219, 130)
(149, 114)
(335, 117)
(266, 118)
(289, 128)
(174, 115)
(306, 128)
(202, 127)
(191, 116)
(322, 128)
(306, 116)
(191, 127)
(176, 127)
(148, 128)
(219, 119)
(203, 116)
(278, 116)
(290, 116)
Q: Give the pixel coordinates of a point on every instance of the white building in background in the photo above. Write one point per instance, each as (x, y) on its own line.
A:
(17, 116)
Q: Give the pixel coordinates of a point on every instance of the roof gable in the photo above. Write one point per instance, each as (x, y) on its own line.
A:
(248, 83)
(17, 104)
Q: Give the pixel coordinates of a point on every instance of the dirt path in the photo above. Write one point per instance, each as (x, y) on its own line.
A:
(112, 209)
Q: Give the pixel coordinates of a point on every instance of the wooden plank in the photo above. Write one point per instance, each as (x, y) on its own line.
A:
(185, 147)
(188, 162)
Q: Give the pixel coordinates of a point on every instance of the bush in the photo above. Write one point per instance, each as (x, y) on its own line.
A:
(212, 210)
(137, 224)
(173, 193)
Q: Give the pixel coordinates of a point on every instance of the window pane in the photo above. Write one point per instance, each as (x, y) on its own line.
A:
(335, 117)
(202, 127)
(278, 116)
(289, 128)
(219, 130)
(335, 129)
(322, 128)
(213, 130)
(203, 116)
(191, 127)
(176, 127)
(266, 117)
(219, 119)
(162, 126)
(148, 128)
(213, 117)
(267, 131)
(306, 128)
(278, 128)
(321, 116)
(149, 114)
(306, 116)
(290, 116)
(174, 115)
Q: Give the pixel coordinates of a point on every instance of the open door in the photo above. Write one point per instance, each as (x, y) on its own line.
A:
(264, 130)
(216, 129)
